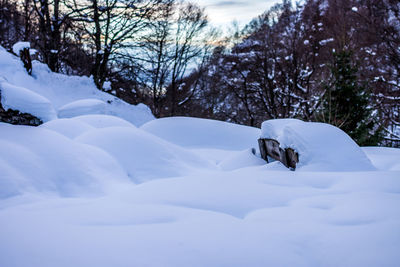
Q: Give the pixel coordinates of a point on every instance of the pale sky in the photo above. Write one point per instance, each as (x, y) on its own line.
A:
(223, 12)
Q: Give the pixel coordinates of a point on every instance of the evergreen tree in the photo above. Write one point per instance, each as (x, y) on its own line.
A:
(346, 103)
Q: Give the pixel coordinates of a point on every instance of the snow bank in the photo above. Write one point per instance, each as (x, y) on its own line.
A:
(75, 195)
(203, 133)
(143, 155)
(248, 217)
(76, 126)
(61, 90)
(82, 107)
(384, 158)
(70, 128)
(36, 159)
(103, 121)
(26, 101)
(321, 147)
(67, 197)
(242, 159)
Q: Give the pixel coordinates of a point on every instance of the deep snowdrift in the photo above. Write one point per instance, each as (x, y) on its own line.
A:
(96, 190)
(237, 211)
(203, 133)
(82, 107)
(143, 155)
(69, 95)
(42, 160)
(26, 101)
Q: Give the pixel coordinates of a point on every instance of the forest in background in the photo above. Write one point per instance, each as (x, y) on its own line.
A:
(334, 61)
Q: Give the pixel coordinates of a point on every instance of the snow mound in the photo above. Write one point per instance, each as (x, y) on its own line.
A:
(82, 107)
(26, 101)
(143, 155)
(384, 158)
(36, 159)
(76, 126)
(61, 90)
(17, 47)
(203, 133)
(70, 128)
(242, 159)
(321, 147)
(103, 121)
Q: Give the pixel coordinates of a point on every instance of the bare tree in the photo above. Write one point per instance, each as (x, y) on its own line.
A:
(111, 26)
(53, 22)
(177, 41)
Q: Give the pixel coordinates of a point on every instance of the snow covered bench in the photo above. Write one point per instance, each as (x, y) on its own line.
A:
(310, 146)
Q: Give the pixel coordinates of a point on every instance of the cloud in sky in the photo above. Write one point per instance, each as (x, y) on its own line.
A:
(224, 4)
(223, 12)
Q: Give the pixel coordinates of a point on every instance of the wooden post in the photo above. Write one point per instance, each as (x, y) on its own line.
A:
(263, 149)
(26, 59)
(292, 158)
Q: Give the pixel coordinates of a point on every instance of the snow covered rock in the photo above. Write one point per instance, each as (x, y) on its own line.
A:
(82, 107)
(321, 147)
(26, 101)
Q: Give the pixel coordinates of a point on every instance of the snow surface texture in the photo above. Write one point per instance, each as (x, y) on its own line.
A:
(209, 133)
(26, 101)
(384, 158)
(87, 191)
(96, 190)
(321, 147)
(70, 95)
(82, 107)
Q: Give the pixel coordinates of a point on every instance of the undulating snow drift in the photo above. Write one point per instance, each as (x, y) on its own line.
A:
(26, 101)
(208, 133)
(97, 190)
(69, 95)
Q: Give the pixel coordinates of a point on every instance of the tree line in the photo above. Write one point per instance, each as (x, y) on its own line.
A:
(335, 61)
(133, 49)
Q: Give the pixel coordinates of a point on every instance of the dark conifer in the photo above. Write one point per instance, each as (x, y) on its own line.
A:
(346, 102)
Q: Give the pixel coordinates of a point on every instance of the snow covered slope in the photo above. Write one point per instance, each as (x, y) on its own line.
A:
(97, 190)
(69, 95)
(87, 191)
(26, 101)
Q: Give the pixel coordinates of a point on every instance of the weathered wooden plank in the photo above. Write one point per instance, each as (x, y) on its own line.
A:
(263, 149)
(271, 148)
(292, 158)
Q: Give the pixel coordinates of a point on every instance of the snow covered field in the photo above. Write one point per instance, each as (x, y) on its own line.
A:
(92, 189)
